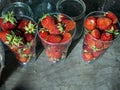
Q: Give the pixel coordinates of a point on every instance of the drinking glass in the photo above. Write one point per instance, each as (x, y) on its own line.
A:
(93, 47)
(19, 8)
(56, 51)
(75, 9)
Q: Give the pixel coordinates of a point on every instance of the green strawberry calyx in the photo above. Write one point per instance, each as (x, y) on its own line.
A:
(9, 17)
(12, 39)
(60, 27)
(44, 16)
(30, 28)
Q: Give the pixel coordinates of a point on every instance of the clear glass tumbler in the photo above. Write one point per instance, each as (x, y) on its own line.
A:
(56, 51)
(19, 8)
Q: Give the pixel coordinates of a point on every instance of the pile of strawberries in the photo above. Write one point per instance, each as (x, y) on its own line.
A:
(18, 33)
(100, 32)
(55, 29)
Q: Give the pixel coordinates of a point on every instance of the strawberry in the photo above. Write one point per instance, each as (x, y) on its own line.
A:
(27, 50)
(27, 26)
(61, 17)
(96, 54)
(43, 33)
(90, 23)
(89, 40)
(103, 23)
(22, 24)
(95, 33)
(69, 24)
(22, 59)
(112, 16)
(29, 37)
(106, 36)
(54, 38)
(98, 44)
(66, 36)
(87, 56)
(47, 21)
(56, 29)
(86, 48)
(3, 35)
(9, 22)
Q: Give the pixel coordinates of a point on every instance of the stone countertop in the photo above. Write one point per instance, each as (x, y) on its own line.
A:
(70, 74)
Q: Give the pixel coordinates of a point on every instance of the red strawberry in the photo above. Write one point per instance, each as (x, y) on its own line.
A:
(9, 22)
(95, 33)
(22, 59)
(27, 50)
(43, 33)
(29, 37)
(56, 29)
(99, 44)
(90, 23)
(86, 48)
(112, 16)
(54, 38)
(87, 56)
(61, 17)
(47, 21)
(103, 23)
(96, 54)
(106, 36)
(22, 24)
(69, 24)
(66, 37)
(3, 35)
(89, 40)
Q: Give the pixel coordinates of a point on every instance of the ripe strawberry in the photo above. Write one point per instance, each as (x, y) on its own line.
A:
(69, 24)
(95, 33)
(103, 23)
(27, 50)
(3, 35)
(98, 44)
(90, 23)
(54, 38)
(86, 48)
(47, 21)
(43, 33)
(56, 29)
(112, 16)
(29, 37)
(89, 41)
(61, 17)
(9, 22)
(96, 54)
(22, 59)
(106, 36)
(66, 36)
(87, 56)
(22, 24)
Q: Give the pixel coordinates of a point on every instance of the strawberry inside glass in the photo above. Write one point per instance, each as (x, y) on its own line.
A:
(101, 28)
(56, 31)
(19, 34)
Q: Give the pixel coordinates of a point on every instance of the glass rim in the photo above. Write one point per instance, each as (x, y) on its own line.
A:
(79, 1)
(16, 4)
(74, 31)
